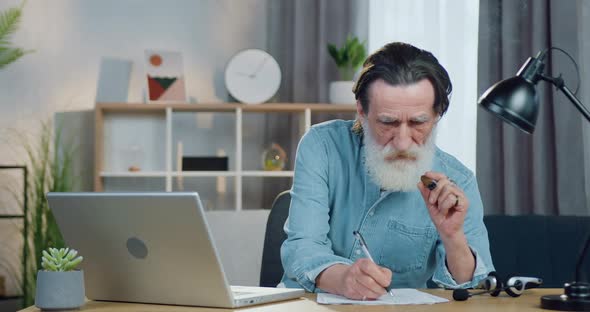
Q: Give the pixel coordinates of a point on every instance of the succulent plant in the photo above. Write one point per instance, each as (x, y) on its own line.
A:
(60, 260)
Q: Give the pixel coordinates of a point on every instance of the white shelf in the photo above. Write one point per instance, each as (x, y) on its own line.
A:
(155, 120)
(187, 174)
(267, 173)
(129, 174)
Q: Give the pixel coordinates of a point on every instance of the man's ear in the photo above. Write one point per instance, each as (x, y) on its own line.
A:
(359, 110)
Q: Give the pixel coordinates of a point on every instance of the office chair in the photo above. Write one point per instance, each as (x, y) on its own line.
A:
(271, 271)
(540, 246)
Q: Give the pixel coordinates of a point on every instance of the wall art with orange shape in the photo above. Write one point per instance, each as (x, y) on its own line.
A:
(165, 79)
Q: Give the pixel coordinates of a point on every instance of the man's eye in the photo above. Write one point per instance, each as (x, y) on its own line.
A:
(417, 123)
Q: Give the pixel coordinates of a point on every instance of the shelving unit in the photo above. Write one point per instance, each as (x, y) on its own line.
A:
(163, 113)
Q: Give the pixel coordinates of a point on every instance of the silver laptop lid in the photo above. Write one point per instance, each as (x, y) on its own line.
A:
(143, 247)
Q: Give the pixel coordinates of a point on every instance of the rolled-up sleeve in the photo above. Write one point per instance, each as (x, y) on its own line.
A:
(477, 238)
(307, 251)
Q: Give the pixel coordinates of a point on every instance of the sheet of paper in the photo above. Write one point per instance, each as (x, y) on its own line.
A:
(400, 296)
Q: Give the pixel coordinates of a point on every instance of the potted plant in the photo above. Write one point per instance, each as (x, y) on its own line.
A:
(50, 161)
(348, 59)
(59, 285)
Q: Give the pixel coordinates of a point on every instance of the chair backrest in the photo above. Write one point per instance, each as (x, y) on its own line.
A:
(271, 271)
(541, 246)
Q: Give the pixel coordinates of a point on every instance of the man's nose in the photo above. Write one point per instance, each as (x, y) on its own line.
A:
(403, 140)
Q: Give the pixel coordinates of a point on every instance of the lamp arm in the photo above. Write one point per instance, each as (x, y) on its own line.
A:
(558, 82)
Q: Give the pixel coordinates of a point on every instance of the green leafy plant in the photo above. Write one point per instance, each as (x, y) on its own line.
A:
(60, 260)
(9, 21)
(349, 57)
(49, 159)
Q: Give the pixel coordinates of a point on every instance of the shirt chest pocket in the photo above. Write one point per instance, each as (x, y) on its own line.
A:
(406, 247)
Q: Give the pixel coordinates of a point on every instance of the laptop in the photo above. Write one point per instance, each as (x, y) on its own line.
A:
(151, 248)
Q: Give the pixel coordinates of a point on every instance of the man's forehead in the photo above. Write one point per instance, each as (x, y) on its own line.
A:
(412, 98)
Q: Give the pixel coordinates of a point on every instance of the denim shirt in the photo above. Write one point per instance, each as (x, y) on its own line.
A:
(333, 195)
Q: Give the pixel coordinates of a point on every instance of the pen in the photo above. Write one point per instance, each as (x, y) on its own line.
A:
(358, 235)
(428, 182)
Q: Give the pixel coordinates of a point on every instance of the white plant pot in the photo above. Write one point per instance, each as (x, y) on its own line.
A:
(59, 290)
(341, 92)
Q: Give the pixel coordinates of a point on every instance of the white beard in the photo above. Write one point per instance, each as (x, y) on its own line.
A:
(398, 175)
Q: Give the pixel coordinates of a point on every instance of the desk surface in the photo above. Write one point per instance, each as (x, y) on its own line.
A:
(529, 301)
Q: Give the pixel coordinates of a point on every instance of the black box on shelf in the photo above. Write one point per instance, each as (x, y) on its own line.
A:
(212, 163)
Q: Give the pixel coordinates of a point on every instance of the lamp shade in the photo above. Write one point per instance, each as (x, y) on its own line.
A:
(515, 101)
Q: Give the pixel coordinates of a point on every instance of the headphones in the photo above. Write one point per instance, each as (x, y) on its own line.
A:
(514, 286)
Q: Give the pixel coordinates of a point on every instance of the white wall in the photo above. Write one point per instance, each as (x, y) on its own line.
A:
(448, 29)
(71, 36)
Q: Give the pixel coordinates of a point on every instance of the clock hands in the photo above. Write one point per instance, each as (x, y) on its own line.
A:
(259, 67)
(256, 71)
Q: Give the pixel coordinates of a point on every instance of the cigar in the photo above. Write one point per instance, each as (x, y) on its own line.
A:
(428, 182)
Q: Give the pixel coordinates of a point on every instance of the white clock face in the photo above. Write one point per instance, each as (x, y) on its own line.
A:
(252, 76)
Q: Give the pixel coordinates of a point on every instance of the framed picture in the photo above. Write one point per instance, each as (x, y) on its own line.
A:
(165, 78)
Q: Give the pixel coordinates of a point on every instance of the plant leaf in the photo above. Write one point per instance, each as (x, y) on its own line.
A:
(349, 57)
(72, 254)
(9, 21)
(72, 264)
(10, 56)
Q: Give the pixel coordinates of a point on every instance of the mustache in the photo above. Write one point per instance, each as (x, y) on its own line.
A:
(401, 155)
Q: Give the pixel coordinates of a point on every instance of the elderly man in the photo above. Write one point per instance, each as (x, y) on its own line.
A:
(365, 176)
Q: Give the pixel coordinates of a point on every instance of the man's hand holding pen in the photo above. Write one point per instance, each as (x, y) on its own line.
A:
(446, 202)
(363, 280)
(447, 206)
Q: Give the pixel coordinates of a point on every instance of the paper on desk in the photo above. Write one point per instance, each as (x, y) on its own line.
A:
(400, 296)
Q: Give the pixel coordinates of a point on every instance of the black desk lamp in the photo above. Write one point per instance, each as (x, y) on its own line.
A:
(515, 101)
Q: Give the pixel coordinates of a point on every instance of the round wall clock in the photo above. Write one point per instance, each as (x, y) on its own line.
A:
(252, 76)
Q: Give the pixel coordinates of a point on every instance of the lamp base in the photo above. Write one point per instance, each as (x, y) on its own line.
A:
(576, 297)
(564, 303)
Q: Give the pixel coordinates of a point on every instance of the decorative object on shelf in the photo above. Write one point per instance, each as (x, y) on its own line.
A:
(204, 163)
(252, 76)
(165, 79)
(274, 158)
(133, 157)
(348, 59)
(59, 285)
(9, 21)
(113, 80)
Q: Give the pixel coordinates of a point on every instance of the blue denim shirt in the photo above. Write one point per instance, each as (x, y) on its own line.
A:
(333, 195)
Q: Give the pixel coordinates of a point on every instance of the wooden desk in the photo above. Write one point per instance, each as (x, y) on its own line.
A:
(529, 301)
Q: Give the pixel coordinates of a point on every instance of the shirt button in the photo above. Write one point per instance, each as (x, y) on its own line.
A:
(358, 251)
(371, 214)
